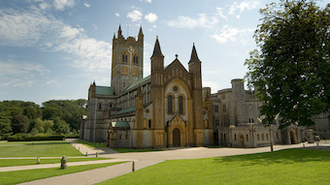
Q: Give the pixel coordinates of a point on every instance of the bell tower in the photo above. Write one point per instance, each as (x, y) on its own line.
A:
(127, 60)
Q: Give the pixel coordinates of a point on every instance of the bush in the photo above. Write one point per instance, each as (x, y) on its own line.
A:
(35, 137)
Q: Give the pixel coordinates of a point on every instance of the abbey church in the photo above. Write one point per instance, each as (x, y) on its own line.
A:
(166, 109)
(170, 108)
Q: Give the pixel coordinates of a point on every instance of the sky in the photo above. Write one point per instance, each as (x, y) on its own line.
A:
(55, 49)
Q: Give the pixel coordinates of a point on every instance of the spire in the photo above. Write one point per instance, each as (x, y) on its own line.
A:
(157, 52)
(194, 56)
(140, 32)
(119, 31)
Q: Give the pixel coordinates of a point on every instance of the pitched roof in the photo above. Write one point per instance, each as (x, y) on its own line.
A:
(119, 124)
(103, 90)
(131, 109)
(141, 81)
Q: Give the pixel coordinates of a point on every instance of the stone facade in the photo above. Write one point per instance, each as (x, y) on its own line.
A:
(169, 108)
(238, 121)
(166, 109)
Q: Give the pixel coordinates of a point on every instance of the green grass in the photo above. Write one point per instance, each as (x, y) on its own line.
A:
(292, 166)
(92, 145)
(126, 150)
(21, 162)
(38, 148)
(15, 177)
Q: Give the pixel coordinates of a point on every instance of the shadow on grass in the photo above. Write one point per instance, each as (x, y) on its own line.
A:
(287, 156)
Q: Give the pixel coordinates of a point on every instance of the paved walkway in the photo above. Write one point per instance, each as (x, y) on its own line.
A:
(145, 159)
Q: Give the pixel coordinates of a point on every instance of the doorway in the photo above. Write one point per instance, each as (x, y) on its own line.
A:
(176, 138)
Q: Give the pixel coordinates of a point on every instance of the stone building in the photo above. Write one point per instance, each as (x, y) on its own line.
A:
(169, 108)
(165, 109)
(238, 122)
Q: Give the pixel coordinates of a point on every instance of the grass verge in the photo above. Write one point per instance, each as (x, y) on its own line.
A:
(38, 148)
(92, 145)
(15, 177)
(292, 166)
(21, 162)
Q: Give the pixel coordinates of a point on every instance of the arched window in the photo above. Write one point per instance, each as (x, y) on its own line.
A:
(100, 106)
(170, 104)
(180, 105)
(136, 59)
(124, 59)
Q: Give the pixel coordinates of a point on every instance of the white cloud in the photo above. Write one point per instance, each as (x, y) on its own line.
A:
(151, 17)
(135, 15)
(187, 22)
(214, 85)
(148, 1)
(34, 29)
(87, 5)
(62, 4)
(249, 5)
(117, 14)
(20, 74)
(229, 33)
(221, 14)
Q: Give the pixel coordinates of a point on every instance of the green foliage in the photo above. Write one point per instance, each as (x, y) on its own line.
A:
(293, 166)
(19, 124)
(70, 111)
(56, 117)
(16, 177)
(38, 148)
(35, 137)
(291, 70)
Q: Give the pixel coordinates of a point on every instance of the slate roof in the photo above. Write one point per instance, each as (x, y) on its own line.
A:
(119, 124)
(131, 109)
(103, 90)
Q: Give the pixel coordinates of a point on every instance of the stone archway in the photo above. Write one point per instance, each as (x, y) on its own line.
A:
(176, 138)
(293, 136)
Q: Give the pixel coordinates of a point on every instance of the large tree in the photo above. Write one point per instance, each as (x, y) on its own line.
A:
(291, 69)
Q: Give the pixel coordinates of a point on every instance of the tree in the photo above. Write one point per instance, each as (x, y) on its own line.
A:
(5, 121)
(20, 124)
(291, 69)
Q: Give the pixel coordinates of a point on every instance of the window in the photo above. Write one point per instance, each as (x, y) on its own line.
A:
(266, 136)
(216, 108)
(224, 137)
(100, 106)
(149, 123)
(276, 135)
(247, 137)
(124, 59)
(223, 96)
(110, 105)
(251, 120)
(258, 137)
(170, 104)
(136, 59)
(224, 108)
(235, 137)
(180, 105)
(262, 135)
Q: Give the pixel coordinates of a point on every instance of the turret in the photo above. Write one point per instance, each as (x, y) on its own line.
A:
(120, 36)
(157, 58)
(195, 68)
(140, 36)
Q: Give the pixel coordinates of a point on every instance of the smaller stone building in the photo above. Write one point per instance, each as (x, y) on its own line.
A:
(238, 122)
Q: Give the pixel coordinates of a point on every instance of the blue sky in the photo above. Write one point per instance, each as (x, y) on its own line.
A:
(55, 49)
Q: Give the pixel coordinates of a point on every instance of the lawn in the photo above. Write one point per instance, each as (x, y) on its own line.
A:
(38, 148)
(21, 162)
(15, 177)
(291, 166)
